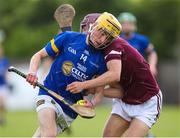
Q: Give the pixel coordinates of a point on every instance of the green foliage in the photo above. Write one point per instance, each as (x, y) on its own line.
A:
(159, 20)
(25, 40)
(29, 24)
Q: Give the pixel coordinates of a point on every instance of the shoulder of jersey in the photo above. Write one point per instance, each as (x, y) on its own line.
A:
(141, 37)
(118, 41)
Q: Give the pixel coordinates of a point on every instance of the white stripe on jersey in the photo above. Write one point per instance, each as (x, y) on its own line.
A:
(113, 52)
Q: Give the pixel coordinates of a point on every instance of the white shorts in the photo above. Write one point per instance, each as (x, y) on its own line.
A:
(147, 112)
(63, 121)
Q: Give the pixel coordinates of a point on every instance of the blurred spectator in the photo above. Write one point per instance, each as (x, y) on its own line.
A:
(138, 41)
(4, 64)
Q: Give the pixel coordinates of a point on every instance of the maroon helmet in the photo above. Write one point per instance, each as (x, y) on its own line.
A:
(87, 21)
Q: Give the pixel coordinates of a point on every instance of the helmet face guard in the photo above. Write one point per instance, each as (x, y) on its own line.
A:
(101, 34)
(104, 31)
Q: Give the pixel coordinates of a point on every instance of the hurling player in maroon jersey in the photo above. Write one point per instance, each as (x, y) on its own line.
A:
(138, 110)
(85, 25)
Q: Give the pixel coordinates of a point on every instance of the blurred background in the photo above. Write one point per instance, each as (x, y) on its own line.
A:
(27, 25)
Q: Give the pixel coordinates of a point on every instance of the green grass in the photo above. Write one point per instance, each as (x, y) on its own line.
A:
(169, 122)
(23, 124)
(19, 124)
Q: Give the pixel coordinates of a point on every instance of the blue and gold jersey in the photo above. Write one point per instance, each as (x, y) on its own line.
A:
(139, 42)
(74, 61)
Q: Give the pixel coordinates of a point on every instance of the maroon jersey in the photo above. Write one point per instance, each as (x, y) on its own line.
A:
(136, 79)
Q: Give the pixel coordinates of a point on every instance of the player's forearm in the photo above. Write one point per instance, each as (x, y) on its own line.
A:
(36, 60)
(113, 93)
(152, 59)
(107, 78)
(99, 93)
(34, 64)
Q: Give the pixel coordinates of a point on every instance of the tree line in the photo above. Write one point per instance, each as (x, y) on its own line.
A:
(29, 24)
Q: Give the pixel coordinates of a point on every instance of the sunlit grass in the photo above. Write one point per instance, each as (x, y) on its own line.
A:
(23, 124)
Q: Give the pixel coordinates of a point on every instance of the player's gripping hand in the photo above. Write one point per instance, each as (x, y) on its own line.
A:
(75, 87)
(32, 79)
(85, 103)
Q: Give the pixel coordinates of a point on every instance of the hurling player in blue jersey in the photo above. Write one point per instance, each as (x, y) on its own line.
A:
(75, 60)
(64, 15)
(4, 64)
(138, 41)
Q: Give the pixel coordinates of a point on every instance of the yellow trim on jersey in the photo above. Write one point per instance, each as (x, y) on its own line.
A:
(54, 47)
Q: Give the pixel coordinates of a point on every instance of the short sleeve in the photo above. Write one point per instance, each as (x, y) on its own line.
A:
(113, 54)
(55, 45)
(115, 50)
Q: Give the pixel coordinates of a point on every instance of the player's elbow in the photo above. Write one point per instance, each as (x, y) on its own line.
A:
(35, 57)
(116, 76)
(39, 55)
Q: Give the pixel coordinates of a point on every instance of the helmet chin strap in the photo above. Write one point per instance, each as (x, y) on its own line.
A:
(104, 45)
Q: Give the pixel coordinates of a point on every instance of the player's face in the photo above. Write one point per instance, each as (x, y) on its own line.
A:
(99, 37)
(128, 27)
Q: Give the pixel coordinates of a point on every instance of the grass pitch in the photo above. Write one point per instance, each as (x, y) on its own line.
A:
(24, 123)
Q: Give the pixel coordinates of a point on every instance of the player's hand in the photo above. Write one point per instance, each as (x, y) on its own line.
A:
(85, 103)
(32, 79)
(75, 87)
